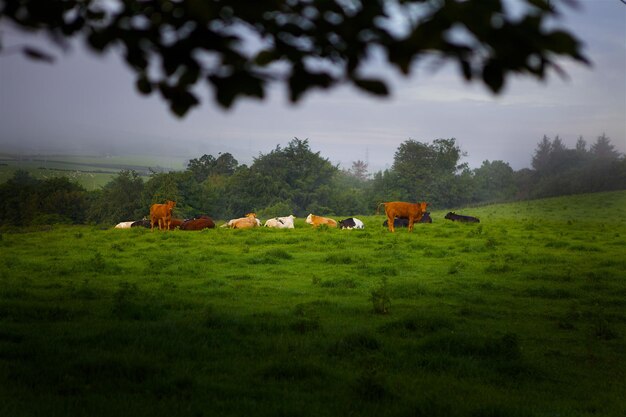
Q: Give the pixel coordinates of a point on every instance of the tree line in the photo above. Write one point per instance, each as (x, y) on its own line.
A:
(295, 180)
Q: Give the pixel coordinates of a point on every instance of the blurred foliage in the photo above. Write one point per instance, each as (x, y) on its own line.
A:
(237, 48)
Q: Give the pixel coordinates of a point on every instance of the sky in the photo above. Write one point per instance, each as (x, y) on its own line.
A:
(86, 104)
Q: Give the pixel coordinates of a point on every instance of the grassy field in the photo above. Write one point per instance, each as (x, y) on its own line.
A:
(91, 172)
(523, 314)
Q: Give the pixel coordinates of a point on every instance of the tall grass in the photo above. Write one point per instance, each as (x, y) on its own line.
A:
(521, 315)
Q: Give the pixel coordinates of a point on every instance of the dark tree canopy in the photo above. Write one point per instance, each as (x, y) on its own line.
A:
(239, 47)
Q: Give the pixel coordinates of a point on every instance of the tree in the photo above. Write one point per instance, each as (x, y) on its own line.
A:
(18, 199)
(293, 175)
(119, 200)
(428, 171)
(581, 145)
(237, 48)
(206, 165)
(603, 149)
(494, 181)
(62, 200)
(541, 158)
(201, 167)
(359, 170)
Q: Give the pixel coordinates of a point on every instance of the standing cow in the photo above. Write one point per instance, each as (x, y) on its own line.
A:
(412, 211)
(404, 222)
(161, 214)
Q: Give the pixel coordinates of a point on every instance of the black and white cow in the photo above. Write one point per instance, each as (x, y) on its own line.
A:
(141, 223)
(351, 223)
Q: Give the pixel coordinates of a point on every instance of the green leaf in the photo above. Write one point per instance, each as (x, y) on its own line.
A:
(376, 87)
(493, 75)
(37, 54)
(143, 84)
(265, 57)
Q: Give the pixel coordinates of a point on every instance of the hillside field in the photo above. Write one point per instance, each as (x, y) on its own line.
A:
(523, 314)
(91, 172)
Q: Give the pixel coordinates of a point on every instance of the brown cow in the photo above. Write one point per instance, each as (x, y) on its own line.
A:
(161, 214)
(243, 222)
(412, 211)
(174, 223)
(316, 221)
(199, 223)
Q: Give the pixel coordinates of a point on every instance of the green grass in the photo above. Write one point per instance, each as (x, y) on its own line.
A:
(523, 314)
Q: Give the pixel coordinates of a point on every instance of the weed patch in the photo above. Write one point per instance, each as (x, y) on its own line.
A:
(380, 297)
(354, 343)
(417, 326)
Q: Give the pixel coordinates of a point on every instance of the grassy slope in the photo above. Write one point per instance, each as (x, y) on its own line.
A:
(91, 172)
(521, 315)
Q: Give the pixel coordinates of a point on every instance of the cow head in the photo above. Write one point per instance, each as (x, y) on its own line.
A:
(309, 219)
(449, 215)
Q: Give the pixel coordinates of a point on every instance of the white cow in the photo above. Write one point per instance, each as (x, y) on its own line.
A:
(123, 225)
(281, 222)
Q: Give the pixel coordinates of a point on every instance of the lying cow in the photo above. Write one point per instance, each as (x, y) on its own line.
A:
(351, 223)
(247, 222)
(281, 222)
(404, 222)
(174, 223)
(123, 225)
(460, 218)
(161, 214)
(198, 223)
(412, 211)
(141, 223)
(317, 221)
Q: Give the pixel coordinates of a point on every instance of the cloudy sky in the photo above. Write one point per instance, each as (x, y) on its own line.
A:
(85, 104)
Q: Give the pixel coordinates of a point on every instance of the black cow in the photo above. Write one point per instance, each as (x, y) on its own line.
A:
(460, 218)
(404, 222)
(141, 223)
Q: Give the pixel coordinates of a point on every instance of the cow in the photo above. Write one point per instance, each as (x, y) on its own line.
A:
(404, 222)
(123, 225)
(141, 223)
(161, 214)
(247, 222)
(317, 221)
(198, 223)
(281, 222)
(412, 211)
(176, 223)
(459, 217)
(351, 223)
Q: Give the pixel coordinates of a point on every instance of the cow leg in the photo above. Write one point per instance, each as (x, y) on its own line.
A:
(411, 220)
(390, 224)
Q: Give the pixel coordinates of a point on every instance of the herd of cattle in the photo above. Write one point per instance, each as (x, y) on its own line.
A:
(399, 214)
